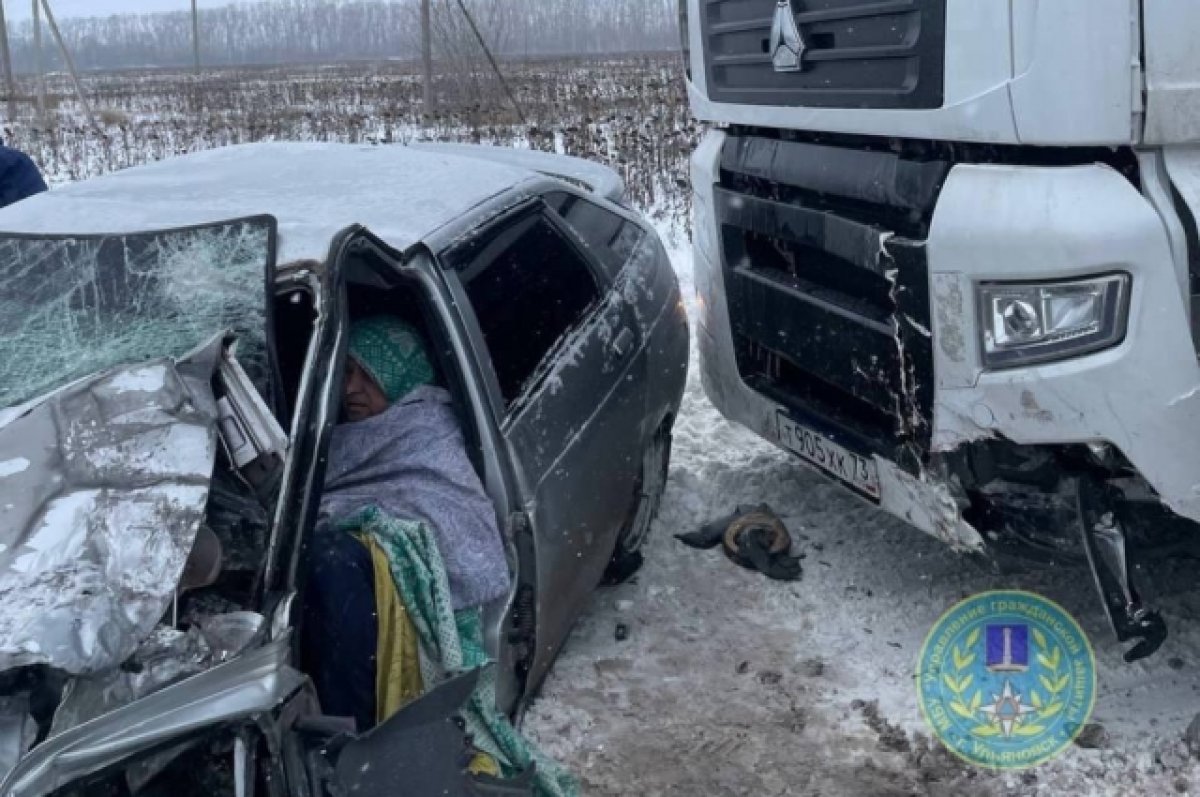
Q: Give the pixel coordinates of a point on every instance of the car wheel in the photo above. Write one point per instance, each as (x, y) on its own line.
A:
(656, 462)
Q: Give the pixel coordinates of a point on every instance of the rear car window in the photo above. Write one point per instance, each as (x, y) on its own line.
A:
(529, 287)
(611, 238)
(73, 306)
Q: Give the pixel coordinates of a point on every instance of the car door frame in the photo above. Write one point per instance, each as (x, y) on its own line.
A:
(542, 651)
(646, 280)
(655, 294)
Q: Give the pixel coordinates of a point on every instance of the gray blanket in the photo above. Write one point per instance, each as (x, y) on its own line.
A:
(411, 462)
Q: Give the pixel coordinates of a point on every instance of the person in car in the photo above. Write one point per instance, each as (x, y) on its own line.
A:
(19, 176)
(400, 449)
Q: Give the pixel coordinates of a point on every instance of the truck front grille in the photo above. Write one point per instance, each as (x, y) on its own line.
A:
(858, 53)
(827, 283)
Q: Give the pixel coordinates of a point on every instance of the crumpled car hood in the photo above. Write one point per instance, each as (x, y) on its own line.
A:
(103, 487)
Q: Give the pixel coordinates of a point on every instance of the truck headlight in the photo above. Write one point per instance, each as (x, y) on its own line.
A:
(1027, 323)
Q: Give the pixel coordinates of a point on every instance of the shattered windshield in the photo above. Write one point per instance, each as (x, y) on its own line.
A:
(72, 306)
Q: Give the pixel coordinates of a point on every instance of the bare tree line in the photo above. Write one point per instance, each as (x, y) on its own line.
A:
(323, 31)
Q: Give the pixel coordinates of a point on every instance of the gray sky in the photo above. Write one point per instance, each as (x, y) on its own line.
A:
(19, 9)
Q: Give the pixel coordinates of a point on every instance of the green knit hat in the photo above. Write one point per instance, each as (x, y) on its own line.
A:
(392, 353)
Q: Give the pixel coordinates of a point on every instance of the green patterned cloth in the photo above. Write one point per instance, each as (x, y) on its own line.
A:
(452, 643)
(392, 353)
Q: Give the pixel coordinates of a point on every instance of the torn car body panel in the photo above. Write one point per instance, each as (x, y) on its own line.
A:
(99, 519)
(252, 685)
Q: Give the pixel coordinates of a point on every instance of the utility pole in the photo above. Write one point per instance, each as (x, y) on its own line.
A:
(6, 55)
(426, 53)
(196, 36)
(70, 62)
(41, 67)
(492, 60)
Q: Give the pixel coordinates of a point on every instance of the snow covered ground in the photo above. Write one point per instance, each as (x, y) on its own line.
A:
(731, 684)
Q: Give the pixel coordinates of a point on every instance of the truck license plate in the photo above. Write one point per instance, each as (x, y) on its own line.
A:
(858, 472)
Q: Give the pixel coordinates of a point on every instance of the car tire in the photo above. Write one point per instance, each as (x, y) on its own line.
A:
(652, 482)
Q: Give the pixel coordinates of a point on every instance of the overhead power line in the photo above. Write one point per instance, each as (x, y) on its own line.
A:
(492, 60)
(70, 62)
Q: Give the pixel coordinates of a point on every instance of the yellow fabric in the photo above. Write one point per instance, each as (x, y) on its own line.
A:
(397, 666)
(484, 764)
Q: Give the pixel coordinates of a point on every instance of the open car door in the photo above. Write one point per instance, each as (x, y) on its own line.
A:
(568, 376)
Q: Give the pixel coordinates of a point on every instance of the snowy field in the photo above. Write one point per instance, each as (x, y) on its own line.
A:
(630, 113)
(728, 684)
(731, 684)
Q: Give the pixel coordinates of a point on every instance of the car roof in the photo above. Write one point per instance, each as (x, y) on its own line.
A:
(400, 194)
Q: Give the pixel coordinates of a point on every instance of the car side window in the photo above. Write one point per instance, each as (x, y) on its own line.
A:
(611, 238)
(529, 287)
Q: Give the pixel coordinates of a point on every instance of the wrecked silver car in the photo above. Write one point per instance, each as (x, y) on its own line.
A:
(172, 346)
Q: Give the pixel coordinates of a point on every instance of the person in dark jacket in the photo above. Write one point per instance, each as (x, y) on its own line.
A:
(19, 176)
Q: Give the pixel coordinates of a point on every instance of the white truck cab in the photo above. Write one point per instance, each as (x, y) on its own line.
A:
(947, 254)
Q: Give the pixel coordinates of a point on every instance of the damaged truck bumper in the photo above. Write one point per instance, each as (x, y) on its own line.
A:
(926, 503)
(1142, 397)
(841, 293)
(911, 492)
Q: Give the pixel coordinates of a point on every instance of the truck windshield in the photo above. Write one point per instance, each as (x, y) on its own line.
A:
(73, 306)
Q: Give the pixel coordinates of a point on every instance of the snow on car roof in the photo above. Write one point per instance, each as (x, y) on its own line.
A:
(314, 190)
